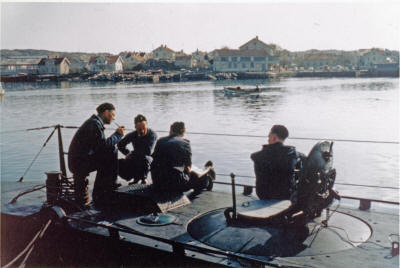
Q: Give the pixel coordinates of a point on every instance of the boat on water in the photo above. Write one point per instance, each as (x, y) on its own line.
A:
(41, 226)
(232, 91)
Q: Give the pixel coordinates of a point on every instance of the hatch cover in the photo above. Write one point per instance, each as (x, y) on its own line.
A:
(343, 232)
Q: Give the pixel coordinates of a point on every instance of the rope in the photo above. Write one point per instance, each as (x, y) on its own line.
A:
(37, 155)
(28, 249)
(340, 183)
(35, 188)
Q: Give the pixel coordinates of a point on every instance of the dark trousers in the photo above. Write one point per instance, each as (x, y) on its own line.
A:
(134, 167)
(172, 180)
(106, 166)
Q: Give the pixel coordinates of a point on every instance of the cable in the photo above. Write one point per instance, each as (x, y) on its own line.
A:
(37, 155)
(339, 183)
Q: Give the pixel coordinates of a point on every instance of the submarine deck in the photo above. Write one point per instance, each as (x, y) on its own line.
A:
(174, 239)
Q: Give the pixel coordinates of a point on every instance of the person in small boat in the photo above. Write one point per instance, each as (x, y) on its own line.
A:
(90, 151)
(274, 166)
(172, 162)
(136, 165)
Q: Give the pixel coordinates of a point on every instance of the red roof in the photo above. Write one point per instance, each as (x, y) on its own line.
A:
(237, 52)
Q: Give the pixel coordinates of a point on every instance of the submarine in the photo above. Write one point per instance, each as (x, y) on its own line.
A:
(41, 225)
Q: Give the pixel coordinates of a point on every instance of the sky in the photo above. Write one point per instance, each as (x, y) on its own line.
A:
(120, 26)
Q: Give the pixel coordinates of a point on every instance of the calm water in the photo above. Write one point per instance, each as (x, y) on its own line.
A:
(360, 109)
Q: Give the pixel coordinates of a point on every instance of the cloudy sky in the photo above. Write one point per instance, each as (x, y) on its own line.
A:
(114, 27)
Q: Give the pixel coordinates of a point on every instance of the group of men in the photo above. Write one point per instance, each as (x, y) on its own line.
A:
(170, 163)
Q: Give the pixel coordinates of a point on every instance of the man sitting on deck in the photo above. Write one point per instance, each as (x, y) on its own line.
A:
(274, 166)
(136, 165)
(90, 150)
(172, 162)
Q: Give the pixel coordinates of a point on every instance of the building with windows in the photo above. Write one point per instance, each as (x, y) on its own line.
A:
(234, 60)
(13, 66)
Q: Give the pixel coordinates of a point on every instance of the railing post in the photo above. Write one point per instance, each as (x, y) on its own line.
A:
(61, 152)
(234, 216)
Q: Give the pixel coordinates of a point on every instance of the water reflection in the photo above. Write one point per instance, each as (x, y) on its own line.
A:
(336, 108)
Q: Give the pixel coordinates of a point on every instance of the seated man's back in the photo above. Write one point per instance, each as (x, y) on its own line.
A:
(274, 166)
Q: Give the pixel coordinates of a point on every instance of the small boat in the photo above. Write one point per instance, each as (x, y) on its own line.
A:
(230, 91)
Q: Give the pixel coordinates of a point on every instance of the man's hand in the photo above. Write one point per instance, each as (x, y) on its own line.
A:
(121, 130)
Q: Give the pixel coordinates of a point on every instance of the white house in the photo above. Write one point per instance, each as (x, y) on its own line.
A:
(234, 60)
(163, 53)
(57, 66)
(105, 64)
(186, 61)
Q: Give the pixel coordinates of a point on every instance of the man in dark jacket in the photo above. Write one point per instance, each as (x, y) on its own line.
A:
(136, 165)
(172, 162)
(274, 166)
(90, 150)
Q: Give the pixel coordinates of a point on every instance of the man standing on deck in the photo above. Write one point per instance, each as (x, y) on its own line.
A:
(274, 166)
(90, 150)
(172, 162)
(136, 165)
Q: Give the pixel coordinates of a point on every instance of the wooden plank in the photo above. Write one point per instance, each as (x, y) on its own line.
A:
(264, 209)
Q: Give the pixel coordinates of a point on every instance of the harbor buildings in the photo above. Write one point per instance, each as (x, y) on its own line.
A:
(163, 53)
(57, 66)
(99, 64)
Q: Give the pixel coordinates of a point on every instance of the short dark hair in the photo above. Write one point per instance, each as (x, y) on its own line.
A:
(140, 118)
(178, 128)
(104, 106)
(280, 131)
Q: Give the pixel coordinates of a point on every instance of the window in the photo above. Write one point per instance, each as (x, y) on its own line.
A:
(243, 65)
(259, 58)
(224, 59)
(251, 65)
(230, 65)
(234, 59)
(244, 58)
(235, 65)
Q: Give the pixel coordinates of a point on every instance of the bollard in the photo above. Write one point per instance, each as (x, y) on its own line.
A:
(364, 204)
(53, 186)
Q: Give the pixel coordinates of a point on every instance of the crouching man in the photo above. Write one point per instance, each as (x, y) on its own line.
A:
(91, 151)
(136, 165)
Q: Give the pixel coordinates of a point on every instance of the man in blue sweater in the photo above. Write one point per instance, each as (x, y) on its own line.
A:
(90, 151)
(136, 165)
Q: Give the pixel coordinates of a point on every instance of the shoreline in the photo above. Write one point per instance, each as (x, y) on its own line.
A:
(183, 76)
